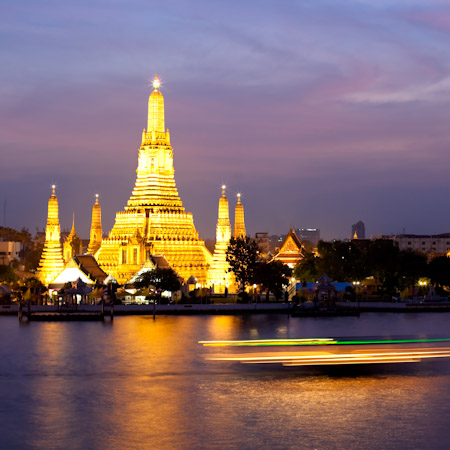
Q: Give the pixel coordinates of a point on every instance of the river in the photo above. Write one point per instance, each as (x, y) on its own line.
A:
(139, 383)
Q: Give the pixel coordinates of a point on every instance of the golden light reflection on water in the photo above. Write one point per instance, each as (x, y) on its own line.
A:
(375, 356)
(331, 351)
(141, 383)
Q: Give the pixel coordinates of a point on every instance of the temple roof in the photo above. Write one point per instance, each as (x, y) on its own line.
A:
(88, 264)
(82, 267)
(291, 249)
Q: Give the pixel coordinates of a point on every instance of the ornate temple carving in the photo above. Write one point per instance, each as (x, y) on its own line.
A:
(96, 228)
(51, 263)
(219, 275)
(291, 251)
(239, 222)
(154, 220)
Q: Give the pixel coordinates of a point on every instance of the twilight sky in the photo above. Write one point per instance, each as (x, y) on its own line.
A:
(321, 112)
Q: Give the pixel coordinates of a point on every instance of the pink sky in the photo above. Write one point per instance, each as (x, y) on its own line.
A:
(321, 113)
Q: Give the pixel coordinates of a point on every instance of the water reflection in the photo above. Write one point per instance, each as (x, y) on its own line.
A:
(141, 383)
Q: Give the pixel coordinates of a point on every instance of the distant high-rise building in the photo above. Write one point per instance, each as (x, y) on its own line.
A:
(358, 230)
(52, 263)
(308, 234)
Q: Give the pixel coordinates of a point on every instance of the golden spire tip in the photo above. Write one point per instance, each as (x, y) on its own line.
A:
(156, 82)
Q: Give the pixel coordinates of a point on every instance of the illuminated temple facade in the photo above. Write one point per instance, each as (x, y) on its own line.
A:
(51, 263)
(154, 221)
(219, 276)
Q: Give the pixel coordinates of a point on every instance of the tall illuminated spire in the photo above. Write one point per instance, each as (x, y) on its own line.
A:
(154, 221)
(218, 274)
(51, 263)
(155, 121)
(223, 222)
(239, 223)
(96, 228)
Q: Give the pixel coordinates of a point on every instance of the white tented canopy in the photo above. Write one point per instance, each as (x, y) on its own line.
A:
(71, 274)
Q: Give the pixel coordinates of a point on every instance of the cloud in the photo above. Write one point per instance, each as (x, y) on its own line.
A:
(431, 92)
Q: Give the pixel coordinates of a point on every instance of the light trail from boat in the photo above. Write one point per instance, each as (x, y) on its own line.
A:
(323, 358)
(314, 341)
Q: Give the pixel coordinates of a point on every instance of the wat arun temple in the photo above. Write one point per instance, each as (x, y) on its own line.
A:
(154, 221)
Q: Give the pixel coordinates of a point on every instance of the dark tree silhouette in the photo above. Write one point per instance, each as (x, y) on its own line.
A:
(242, 255)
(273, 277)
(164, 279)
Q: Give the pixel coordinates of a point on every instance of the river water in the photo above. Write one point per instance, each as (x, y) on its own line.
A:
(138, 383)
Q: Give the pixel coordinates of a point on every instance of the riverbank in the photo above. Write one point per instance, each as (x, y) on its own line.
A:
(181, 309)
(234, 308)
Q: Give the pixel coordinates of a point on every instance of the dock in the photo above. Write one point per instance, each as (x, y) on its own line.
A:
(63, 313)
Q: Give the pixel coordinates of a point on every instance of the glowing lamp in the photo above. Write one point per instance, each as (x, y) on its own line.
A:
(156, 82)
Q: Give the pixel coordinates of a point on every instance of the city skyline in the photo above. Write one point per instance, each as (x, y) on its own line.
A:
(319, 114)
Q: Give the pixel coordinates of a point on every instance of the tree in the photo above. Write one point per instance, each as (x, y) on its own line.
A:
(412, 266)
(341, 261)
(273, 277)
(306, 269)
(32, 257)
(7, 273)
(439, 271)
(164, 279)
(242, 256)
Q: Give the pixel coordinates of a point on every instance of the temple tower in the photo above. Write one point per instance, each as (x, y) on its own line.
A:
(154, 220)
(51, 263)
(218, 274)
(239, 223)
(72, 244)
(96, 228)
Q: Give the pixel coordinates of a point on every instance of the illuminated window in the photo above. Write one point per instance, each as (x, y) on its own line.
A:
(135, 253)
(124, 256)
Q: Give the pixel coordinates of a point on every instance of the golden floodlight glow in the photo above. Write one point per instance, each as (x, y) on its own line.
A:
(219, 274)
(154, 220)
(51, 263)
(239, 222)
(96, 234)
